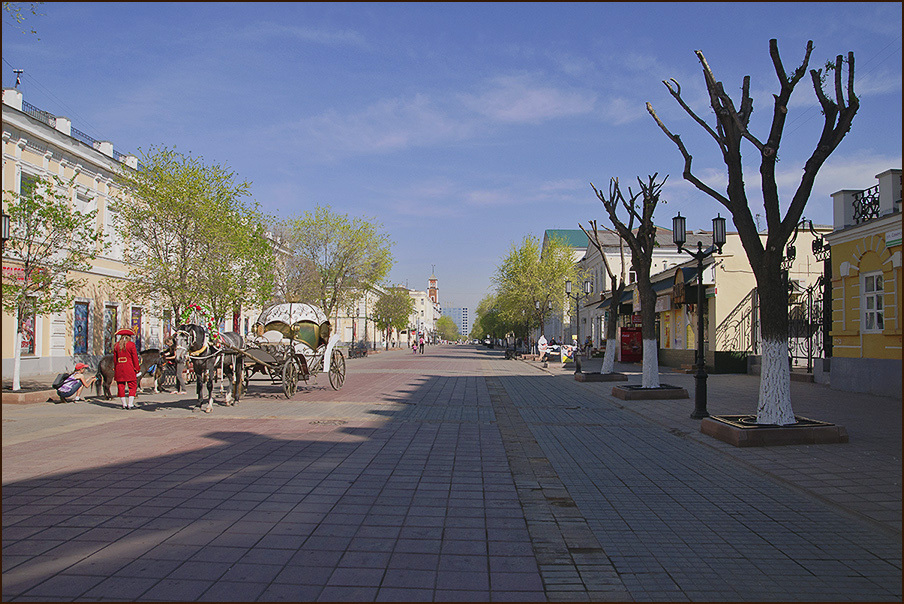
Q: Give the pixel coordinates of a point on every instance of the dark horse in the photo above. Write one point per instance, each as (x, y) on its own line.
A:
(151, 365)
(192, 343)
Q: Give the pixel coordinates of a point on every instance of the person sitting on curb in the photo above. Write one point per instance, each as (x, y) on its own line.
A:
(71, 390)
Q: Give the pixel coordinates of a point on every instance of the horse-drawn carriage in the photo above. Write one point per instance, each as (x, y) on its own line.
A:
(294, 343)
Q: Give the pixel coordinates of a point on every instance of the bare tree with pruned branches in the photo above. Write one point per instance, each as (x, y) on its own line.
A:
(730, 131)
(641, 243)
(616, 289)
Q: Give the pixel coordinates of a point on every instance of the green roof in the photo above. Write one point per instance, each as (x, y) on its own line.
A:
(574, 238)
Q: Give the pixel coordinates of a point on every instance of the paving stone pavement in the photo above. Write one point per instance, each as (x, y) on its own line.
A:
(450, 476)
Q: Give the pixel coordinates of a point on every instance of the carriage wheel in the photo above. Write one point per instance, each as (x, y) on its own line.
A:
(289, 379)
(337, 370)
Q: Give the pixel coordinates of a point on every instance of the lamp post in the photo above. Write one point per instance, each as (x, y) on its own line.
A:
(679, 236)
(5, 232)
(588, 287)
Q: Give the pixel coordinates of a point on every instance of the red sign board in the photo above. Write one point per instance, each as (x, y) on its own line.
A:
(631, 345)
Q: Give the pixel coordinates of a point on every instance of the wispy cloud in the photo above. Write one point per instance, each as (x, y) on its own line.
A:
(270, 31)
(520, 99)
(388, 125)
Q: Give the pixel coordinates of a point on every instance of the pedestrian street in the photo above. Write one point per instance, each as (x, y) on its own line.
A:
(456, 475)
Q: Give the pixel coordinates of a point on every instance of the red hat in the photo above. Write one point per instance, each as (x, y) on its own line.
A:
(80, 366)
(125, 331)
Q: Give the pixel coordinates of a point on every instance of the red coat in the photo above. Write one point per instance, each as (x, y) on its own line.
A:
(125, 361)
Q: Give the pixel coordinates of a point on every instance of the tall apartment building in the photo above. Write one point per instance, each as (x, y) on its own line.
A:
(460, 317)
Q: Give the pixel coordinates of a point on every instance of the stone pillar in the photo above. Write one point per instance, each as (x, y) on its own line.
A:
(64, 125)
(843, 204)
(13, 98)
(889, 191)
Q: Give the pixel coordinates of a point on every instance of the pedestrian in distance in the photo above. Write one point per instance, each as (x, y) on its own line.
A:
(126, 365)
(421, 344)
(414, 347)
(71, 389)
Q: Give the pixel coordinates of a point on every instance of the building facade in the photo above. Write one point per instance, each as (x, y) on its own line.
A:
(36, 145)
(460, 317)
(867, 288)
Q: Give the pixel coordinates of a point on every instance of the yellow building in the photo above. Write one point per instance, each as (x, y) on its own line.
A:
(867, 288)
(37, 144)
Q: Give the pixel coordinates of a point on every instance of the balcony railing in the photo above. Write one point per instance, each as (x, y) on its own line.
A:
(866, 205)
(38, 114)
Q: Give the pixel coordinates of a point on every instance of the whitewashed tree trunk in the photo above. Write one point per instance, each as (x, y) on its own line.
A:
(650, 364)
(609, 357)
(17, 362)
(775, 385)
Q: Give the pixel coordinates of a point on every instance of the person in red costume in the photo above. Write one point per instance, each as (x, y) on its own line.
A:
(126, 365)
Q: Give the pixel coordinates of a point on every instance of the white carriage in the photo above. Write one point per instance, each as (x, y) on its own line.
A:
(294, 342)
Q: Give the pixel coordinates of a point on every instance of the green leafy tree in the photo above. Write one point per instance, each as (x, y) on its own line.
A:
(190, 237)
(489, 320)
(392, 310)
(530, 281)
(446, 329)
(49, 244)
(348, 256)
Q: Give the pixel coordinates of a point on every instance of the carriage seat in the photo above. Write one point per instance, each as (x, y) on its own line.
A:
(273, 337)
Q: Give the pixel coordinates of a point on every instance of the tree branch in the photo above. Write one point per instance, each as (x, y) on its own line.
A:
(688, 159)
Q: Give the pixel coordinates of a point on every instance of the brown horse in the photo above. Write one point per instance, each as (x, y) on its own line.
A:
(151, 365)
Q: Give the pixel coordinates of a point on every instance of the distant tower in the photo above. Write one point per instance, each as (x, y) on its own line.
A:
(433, 289)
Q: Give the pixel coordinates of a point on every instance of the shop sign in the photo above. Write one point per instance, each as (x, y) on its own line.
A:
(893, 238)
(663, 303)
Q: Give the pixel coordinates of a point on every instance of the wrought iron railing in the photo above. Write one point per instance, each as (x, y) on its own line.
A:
(82, 137)
(740, 330)
(39, 114)
(866, 204)
(805, 325)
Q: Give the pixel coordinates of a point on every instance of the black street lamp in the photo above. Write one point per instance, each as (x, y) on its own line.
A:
(679, 236)
(588, 287)
(5, 232)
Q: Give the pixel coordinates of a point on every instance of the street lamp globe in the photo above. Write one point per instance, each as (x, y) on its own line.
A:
(679, 231)
(719, 236)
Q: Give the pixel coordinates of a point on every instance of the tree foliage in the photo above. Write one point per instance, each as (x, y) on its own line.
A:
(49, 242)
(189, 235)
(529, 277)
(446, 329)
(489, 321)
(393, 309)
(344, 256)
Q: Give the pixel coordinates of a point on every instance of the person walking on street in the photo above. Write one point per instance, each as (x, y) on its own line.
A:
(126, 365)
(421, 344)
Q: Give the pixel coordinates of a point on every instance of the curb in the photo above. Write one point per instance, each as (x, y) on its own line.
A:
(28, 398)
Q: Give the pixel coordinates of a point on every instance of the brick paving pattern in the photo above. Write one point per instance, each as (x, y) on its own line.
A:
(450, 476)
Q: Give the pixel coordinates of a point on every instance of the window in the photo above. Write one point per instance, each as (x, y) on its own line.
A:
(80, 328)
(109, 328)
(28, 184)
(28, 330)
(136, 326)
(871, 303)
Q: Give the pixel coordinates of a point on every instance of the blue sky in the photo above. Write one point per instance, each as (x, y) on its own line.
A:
(461, 128)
